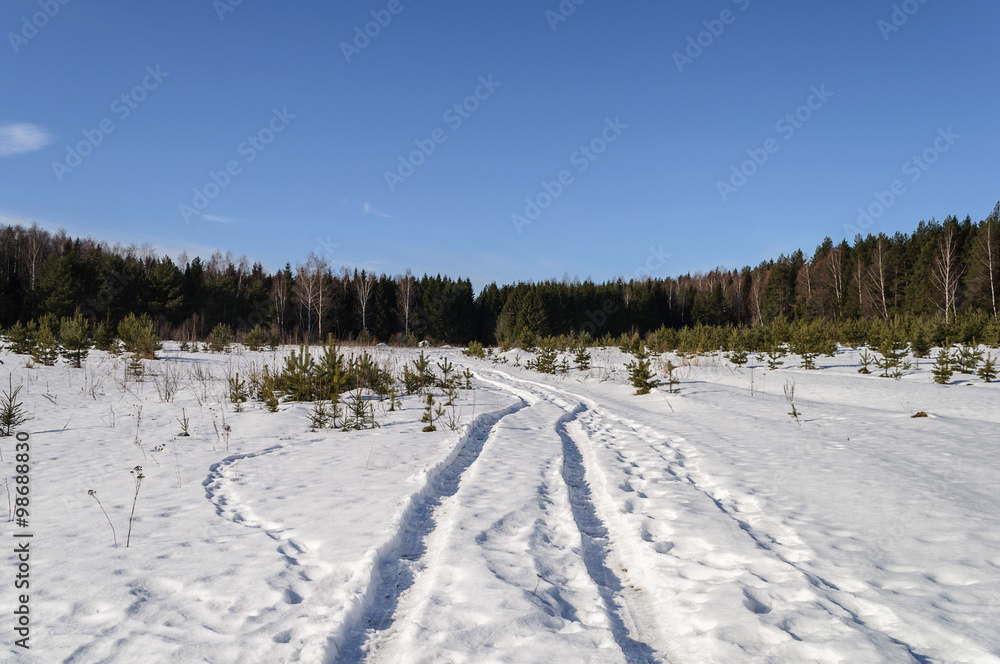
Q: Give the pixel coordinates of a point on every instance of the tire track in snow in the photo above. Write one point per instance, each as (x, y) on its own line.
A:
(395, 564)
(597, 550)
(600, 555)
(766, 534)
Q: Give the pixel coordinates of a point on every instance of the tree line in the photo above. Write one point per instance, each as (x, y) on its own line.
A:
(943, 271)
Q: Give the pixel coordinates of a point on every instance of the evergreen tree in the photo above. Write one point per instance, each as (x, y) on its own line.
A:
(75, 337)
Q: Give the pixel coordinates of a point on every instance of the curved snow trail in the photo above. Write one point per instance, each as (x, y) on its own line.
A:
(663, 516)
(515, 563)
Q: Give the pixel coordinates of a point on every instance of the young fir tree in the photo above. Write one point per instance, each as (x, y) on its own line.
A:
(967, 358)
(865, 358)
(774, 355)
(582, 358)
(12, 411)
(988, 372)
(256, 338)
(640, 373)
(892, 349)
(546, 357)
(75, 337)
(21, 338)
(219, 338)
(920, 345)
(46, 349)
(942, 368)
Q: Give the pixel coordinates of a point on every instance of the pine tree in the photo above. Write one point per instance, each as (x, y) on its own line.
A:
(46, 350)
(942, 367)
(75, 337)
(12, 411)
(865, 358)
(546, 357)
(639, 372)
(988, 372)
(22, 338)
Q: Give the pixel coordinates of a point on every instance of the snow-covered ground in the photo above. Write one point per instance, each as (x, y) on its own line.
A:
(564, 520)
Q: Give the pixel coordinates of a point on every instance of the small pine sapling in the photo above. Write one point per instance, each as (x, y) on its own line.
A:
(22, 338)
(446, 368)
(46, 350)
(394, 400)
(640, 373)
(429, 414)
(582, 358)
(75, 337)
(546, 358)
(739, 356)
(320, 417)
(672, 381)
(774, 355)
(988, 372)
(920, 345)
(893, 350)
(237, 392)
(865, 358)
(968, 358)
(297, 379)
(256, 338)
(12, 411)
(422, 372)
(219, 338)
(943, 367)
(475, 349)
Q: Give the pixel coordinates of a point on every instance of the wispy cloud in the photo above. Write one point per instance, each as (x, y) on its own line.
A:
(378, 213)
(21, 137)
(219, 219)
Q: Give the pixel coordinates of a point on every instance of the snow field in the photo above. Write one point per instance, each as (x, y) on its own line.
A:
(566, 520)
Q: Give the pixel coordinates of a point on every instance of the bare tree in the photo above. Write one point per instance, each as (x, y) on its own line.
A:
(878, 275)
(364, 284)
(945, 270)
(986, 246)
(281, 290)
(406, 299)
(310, 284)
(835, 263)
(758, 282)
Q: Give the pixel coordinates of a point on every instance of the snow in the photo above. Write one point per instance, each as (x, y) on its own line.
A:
(565, 519)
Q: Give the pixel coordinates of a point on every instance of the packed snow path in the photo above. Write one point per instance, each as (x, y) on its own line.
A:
(512, 560)
(631, 536)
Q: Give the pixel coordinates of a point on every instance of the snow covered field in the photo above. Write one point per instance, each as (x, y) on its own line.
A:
(566, 520)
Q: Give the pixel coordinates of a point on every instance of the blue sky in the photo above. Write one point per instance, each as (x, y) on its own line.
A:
(619, 123)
